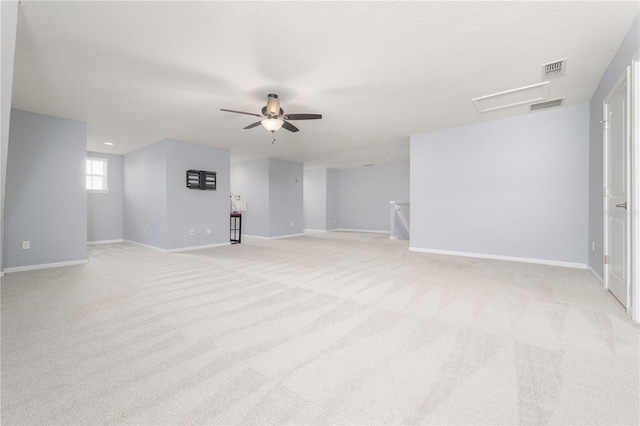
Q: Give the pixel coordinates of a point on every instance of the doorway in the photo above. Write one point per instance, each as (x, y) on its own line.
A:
(617, 189)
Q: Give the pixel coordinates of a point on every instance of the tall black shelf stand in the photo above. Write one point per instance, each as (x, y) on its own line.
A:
(236, 228)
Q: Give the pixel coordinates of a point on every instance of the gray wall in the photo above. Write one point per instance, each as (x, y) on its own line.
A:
(513, 187)
(365, 194)
(333, 199)
(145, 195)
(195, 209)
(618, 65)
(273, 193)
(321, 199)
(286, 211)
(315, 199)
(105, 210)
(46, 199)
(160, 211)
(9, 12)
(251, 180)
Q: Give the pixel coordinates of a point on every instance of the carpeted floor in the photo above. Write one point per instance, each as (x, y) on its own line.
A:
(333, 328)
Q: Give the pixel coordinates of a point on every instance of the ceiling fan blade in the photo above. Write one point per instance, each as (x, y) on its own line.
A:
(251, 126)
(302, 116)
(290, 127)
(240, 112)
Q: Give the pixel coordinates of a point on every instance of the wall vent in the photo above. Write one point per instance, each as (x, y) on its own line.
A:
(554, 69)
(546, 104)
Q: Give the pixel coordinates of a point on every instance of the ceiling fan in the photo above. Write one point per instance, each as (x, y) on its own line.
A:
(273, 116)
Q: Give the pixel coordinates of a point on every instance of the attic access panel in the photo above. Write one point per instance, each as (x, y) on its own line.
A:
(512, 98)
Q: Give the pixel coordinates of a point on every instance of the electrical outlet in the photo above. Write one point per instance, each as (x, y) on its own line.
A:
(144, 230)
(26, 245)
(191, 232)
(291, 224)
(208, 231)
(593, 246)
(334, 221)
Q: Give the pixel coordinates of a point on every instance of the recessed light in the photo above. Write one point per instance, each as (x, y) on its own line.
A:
(109, 143)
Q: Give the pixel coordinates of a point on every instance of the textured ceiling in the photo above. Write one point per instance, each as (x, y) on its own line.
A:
(138, 72)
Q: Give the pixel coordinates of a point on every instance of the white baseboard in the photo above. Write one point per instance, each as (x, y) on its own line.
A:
(144, 245)
(314, 230)
(259, 237)
(286, 236)
(45, 266)
(595, 275)
(393, 238)
(498, 257)
(181, 249)
(368, 231)
(94, 243)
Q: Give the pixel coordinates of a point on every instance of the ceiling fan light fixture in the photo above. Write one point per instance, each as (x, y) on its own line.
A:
(272, 124)
(273, 118)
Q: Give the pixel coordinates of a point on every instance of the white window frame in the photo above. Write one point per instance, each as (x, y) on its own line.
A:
(105, 168)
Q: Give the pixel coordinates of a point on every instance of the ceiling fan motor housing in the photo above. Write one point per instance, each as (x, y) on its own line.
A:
(273, 105)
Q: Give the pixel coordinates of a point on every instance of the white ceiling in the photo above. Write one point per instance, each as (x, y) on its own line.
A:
(138, 72)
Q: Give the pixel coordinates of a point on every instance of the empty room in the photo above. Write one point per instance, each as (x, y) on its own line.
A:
(319, 212)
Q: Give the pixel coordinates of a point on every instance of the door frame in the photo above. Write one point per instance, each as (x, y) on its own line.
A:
(625, 77)
(634, 80)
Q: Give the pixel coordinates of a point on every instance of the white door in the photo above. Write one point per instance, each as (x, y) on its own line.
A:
(617, 184)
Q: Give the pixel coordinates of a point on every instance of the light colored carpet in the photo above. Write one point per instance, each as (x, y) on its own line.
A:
(333, 328)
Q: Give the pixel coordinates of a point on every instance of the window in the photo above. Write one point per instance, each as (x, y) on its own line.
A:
(97, 174)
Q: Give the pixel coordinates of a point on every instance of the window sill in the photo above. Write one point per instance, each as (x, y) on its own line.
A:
(98, 191)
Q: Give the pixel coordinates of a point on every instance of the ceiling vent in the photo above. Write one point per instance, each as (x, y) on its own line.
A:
(554, 69)
(546, 104)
